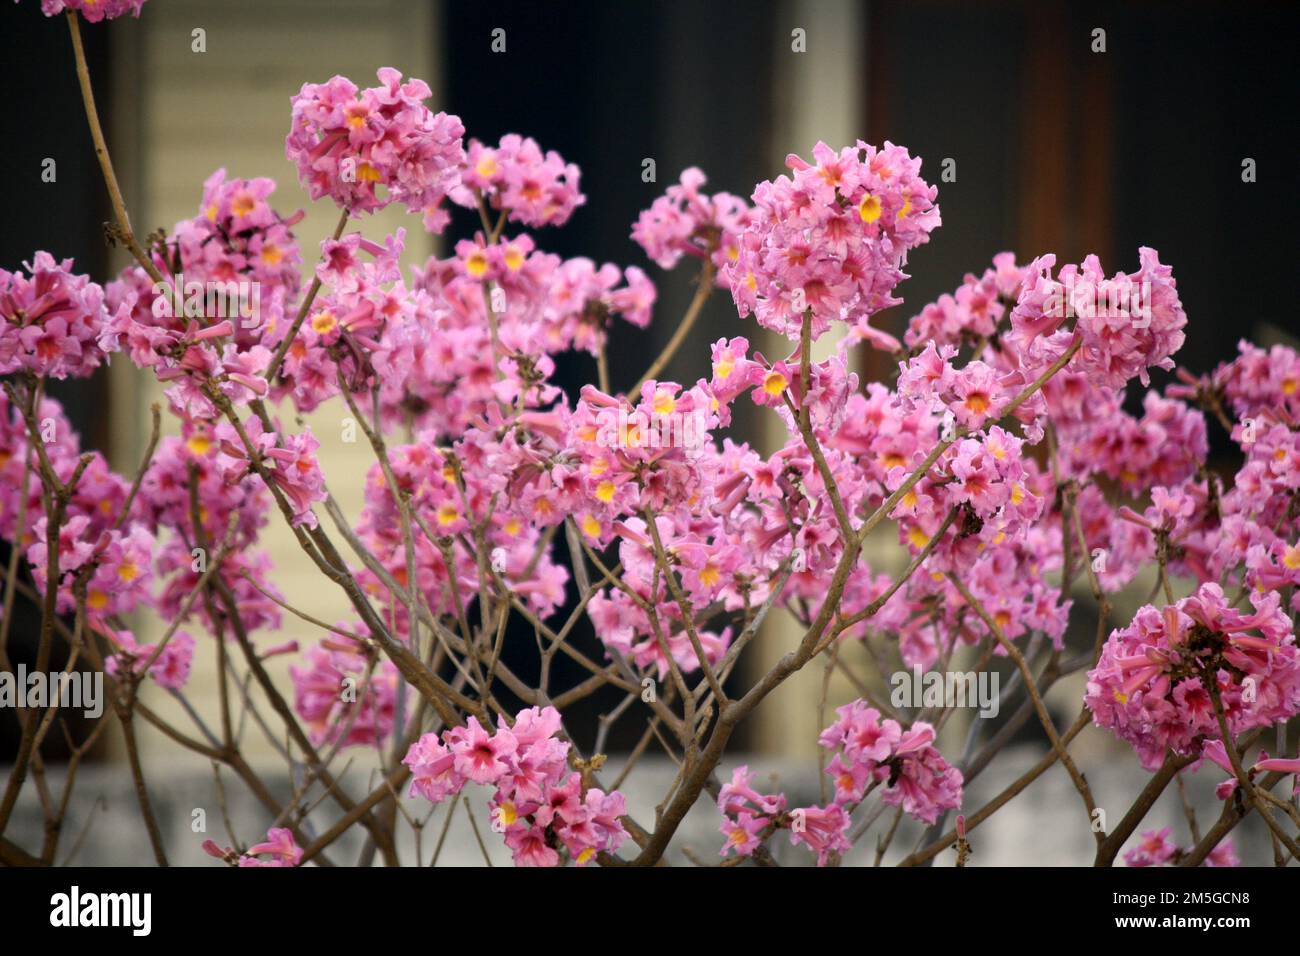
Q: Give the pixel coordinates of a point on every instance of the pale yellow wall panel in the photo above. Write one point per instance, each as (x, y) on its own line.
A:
(229, 107)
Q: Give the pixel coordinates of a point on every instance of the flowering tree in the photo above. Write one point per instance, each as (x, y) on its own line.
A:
(1000, 449)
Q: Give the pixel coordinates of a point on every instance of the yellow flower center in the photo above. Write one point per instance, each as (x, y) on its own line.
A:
(324, 322)
(507, 813)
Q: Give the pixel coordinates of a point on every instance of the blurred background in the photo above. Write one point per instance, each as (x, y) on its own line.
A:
(1058, 146)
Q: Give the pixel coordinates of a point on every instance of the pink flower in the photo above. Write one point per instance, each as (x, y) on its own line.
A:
(528, 844)
(831, 238)
(861, 734)
(516, 178)
(341, 698)
(1155, 849)
(925, 784)
(737, 792)
(279, 845)
(743, 833)
(479, 755)
(172, 669)
(978, 395)
(1149, 685)
(51, 320)
(538, 805)
(1278, 765)
(93, 10)
(293, 466)
(873, 752)
(824, 830)
(346, 143)
(685, 221)
(975, 310)
(1128, 324)
(1225, 854)
(433, 769)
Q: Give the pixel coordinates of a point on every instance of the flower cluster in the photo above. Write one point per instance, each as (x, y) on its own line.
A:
(53, 321)
(974, 312)
(279, 849)
(93, 10)
(749, 818)
(1162, 682)
(230, 283)
(100, 554)
(831, 238)
(291, 464)
(348, 144)
(1129, 323)
(686, 221)
(1005, 448)
(870, 752)
(170, 668)
(1157, 848)
(747, 814)
(342, 698)
(237, 245)
(526, 185)
(538, 807)
(450, 492)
